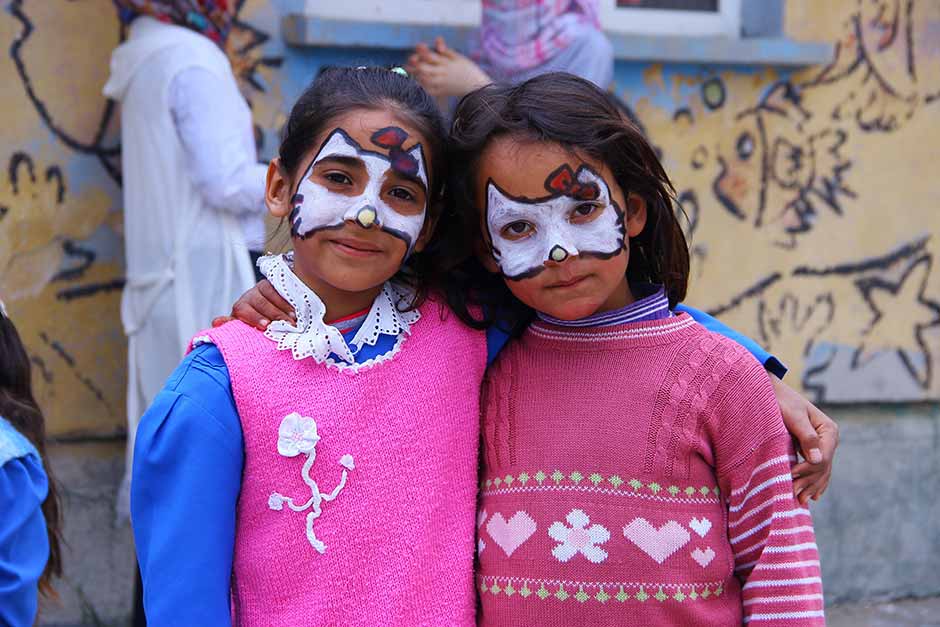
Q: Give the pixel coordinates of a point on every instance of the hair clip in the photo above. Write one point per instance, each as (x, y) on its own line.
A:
(400, 70)
(3, 310)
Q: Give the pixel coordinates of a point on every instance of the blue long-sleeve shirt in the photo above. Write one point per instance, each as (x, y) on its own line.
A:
(188, 464)
(24, 542)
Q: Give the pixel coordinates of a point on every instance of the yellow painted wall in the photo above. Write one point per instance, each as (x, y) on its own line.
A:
(61, 257)
(813, 195)
(60, 261)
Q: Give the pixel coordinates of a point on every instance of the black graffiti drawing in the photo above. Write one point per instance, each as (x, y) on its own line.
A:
(23, 178)
(753, 291)
(714, 93)
(244, 49)
(73, 366)
(908, 293)
(90, 289)
(42, 368)
(107, 155)
(800, 173)
(791, 317)
(79, 260)
(894, 287)
(891, 63)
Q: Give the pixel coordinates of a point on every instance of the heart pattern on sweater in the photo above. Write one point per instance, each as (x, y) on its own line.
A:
(657, 543)
(511, 534)
(704, 558)
(700, 526)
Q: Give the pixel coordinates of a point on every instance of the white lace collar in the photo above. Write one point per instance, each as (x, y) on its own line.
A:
(311, 336)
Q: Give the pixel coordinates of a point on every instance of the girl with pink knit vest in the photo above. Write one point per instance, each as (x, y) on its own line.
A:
(635, 466)
(323, 472)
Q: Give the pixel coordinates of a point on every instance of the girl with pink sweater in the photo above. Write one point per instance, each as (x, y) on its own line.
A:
(635, 466)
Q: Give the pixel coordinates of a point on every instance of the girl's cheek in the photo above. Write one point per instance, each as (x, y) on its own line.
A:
(525, 290)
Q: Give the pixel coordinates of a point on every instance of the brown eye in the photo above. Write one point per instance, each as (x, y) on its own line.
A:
(585, 210)
(338, 177)
(517, 229)
(402, 194)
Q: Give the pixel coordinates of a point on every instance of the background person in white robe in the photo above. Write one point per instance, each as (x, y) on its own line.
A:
(193, 189)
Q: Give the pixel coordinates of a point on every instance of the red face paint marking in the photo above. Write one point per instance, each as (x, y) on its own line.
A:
(562, 181)
(393, 138)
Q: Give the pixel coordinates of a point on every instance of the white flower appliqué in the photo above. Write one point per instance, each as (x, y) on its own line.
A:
(579, 538)
(298, 434)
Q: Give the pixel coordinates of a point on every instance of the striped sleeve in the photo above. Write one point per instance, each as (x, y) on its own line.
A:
(771, 535)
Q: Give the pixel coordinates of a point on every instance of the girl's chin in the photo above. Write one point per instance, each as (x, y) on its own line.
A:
(573, 311)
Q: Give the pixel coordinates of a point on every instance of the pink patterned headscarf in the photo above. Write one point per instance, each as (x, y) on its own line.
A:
(212, 18)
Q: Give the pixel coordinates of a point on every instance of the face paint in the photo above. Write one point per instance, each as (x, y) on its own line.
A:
(552, 235)
(316, 208)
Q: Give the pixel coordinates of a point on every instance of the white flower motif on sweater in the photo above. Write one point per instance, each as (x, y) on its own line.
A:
(579, 538)
(310, 336)
(298, 435)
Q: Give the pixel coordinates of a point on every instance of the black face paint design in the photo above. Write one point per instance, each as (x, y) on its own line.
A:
(315, 208)
(553, 236)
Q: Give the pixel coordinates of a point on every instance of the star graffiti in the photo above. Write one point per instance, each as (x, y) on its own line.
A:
(901, 313)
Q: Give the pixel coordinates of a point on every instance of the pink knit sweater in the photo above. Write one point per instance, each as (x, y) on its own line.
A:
(639, 475)
(399, 439)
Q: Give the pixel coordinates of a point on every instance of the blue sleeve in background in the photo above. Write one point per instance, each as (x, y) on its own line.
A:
(24, 541)
(496, 339)
(188, 463)
(771, 363)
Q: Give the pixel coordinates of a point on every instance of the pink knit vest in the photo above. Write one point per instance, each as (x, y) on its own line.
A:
(399, 535)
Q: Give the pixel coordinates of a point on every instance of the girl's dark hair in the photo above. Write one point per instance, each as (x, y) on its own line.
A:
(339, 90)
(19, 407)
(562, 108)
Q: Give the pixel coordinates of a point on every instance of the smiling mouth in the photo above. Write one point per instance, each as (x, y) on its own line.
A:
(355, 248)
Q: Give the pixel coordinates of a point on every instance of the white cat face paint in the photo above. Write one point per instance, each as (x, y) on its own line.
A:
(316, 208)
(527, 232)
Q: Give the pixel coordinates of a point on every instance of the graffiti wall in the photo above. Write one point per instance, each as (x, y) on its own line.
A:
(61, 247)
(809, 196)
(60, 257)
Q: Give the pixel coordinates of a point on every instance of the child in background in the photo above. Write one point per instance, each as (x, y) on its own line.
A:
(520, 39)
(636, 469)
(29, 507)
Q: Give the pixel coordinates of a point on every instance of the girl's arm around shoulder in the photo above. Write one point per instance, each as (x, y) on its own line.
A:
(24, 543)
(770, 532)
(817, 433)
(771, 363)
(188, 461)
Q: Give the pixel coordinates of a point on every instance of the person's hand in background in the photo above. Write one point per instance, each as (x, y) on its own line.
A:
(444, 72)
